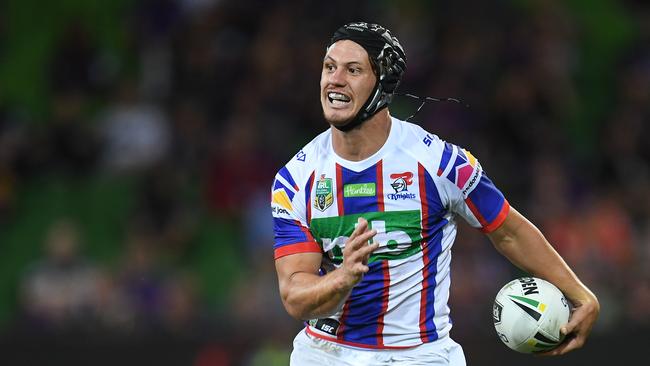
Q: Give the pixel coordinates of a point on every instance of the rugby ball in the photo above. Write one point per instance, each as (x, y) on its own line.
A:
(528, 313)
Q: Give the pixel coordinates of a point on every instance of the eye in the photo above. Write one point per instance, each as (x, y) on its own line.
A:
(354, 70)
(329, 67)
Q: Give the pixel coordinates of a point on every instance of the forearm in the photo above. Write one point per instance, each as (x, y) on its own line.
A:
(310, 296)
(527, 248)
(306, 295)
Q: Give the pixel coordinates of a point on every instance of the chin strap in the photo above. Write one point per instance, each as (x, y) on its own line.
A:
(377, 101)
(426, 99)
(357, 120)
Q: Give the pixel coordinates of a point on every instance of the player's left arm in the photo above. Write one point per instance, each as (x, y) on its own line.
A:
(526, 247)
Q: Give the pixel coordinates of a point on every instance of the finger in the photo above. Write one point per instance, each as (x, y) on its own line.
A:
(360, 227)
(567, 346)
(578, 315)
(362, 253)
(361, 268)
(571, 342)
(361, 240)
(366, 251)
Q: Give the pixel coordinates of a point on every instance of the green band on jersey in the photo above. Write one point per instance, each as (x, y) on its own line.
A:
(399, 234)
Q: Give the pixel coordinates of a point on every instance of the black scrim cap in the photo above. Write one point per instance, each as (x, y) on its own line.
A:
(388, 58)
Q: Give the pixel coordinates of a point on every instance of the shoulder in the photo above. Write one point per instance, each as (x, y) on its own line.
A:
(297, 170)
(422, 144)
(442, 158)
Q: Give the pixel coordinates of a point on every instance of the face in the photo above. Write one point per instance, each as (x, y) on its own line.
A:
(346, 81)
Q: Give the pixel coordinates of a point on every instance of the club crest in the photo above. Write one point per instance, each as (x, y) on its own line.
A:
(324, 196)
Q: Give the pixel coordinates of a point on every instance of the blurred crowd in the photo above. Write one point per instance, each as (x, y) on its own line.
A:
(207, 99)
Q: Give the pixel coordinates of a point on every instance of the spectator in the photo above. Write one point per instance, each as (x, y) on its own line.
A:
(60, 291)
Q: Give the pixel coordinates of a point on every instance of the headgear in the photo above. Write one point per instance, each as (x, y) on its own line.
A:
(388, 59)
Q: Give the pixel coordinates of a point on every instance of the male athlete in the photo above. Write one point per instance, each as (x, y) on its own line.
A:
(364, 219)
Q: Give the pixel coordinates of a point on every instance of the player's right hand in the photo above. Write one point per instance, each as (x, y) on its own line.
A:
(356, 253)
(583, 317)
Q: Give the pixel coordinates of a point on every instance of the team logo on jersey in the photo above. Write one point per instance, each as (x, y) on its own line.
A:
(324, 197)
(401, 182)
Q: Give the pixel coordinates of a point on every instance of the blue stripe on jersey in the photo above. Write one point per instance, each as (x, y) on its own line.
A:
(308, 185)
(357, 205)
(284, 173)
(434, 247)
(288, 232)
(288, 191)
(446, 155)
(431, 249)
(487, 198)
(364, 307)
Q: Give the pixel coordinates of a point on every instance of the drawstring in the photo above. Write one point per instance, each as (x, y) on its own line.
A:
(425, 99)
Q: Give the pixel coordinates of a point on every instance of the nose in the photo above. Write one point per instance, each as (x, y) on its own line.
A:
(337, 77)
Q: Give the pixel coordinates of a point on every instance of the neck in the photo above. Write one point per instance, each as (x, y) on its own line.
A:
(363, 141)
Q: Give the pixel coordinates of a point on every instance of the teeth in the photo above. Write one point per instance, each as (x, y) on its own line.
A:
(338, 96)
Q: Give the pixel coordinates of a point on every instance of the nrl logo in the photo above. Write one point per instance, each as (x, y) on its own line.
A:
(324, 196)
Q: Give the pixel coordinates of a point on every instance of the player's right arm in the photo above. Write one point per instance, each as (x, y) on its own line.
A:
(307, 295)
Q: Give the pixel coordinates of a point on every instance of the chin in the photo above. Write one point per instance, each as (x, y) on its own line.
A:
(336, 120)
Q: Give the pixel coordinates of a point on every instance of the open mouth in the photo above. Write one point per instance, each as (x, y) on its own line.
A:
(338, 98)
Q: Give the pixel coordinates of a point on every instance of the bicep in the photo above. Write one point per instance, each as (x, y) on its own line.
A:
(521, 242)
(507, 231)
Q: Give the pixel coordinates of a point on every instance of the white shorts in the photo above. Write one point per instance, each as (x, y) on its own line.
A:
(312, 351)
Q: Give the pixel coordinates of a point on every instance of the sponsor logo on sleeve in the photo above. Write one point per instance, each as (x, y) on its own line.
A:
(468, 172)
(301, 155)
(280, 203)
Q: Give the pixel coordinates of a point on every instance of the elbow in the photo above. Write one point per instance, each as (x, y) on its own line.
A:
(296, 311)
(306, 311)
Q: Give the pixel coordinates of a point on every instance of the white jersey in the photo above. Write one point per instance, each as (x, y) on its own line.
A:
(410, 191)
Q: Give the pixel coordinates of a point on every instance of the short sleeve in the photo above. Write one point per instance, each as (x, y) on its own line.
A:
(290, 225)
(469, 191)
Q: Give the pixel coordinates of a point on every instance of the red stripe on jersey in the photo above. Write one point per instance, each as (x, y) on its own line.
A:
(380, 186)
(338, 340)
(344, 314)
(339, 189)
(488, 227)
(501, 217)
(476, 212)
(425, 254)
(304, 247)
(384, 303)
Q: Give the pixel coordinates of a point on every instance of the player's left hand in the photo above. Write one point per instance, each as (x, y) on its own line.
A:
(583, 317)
